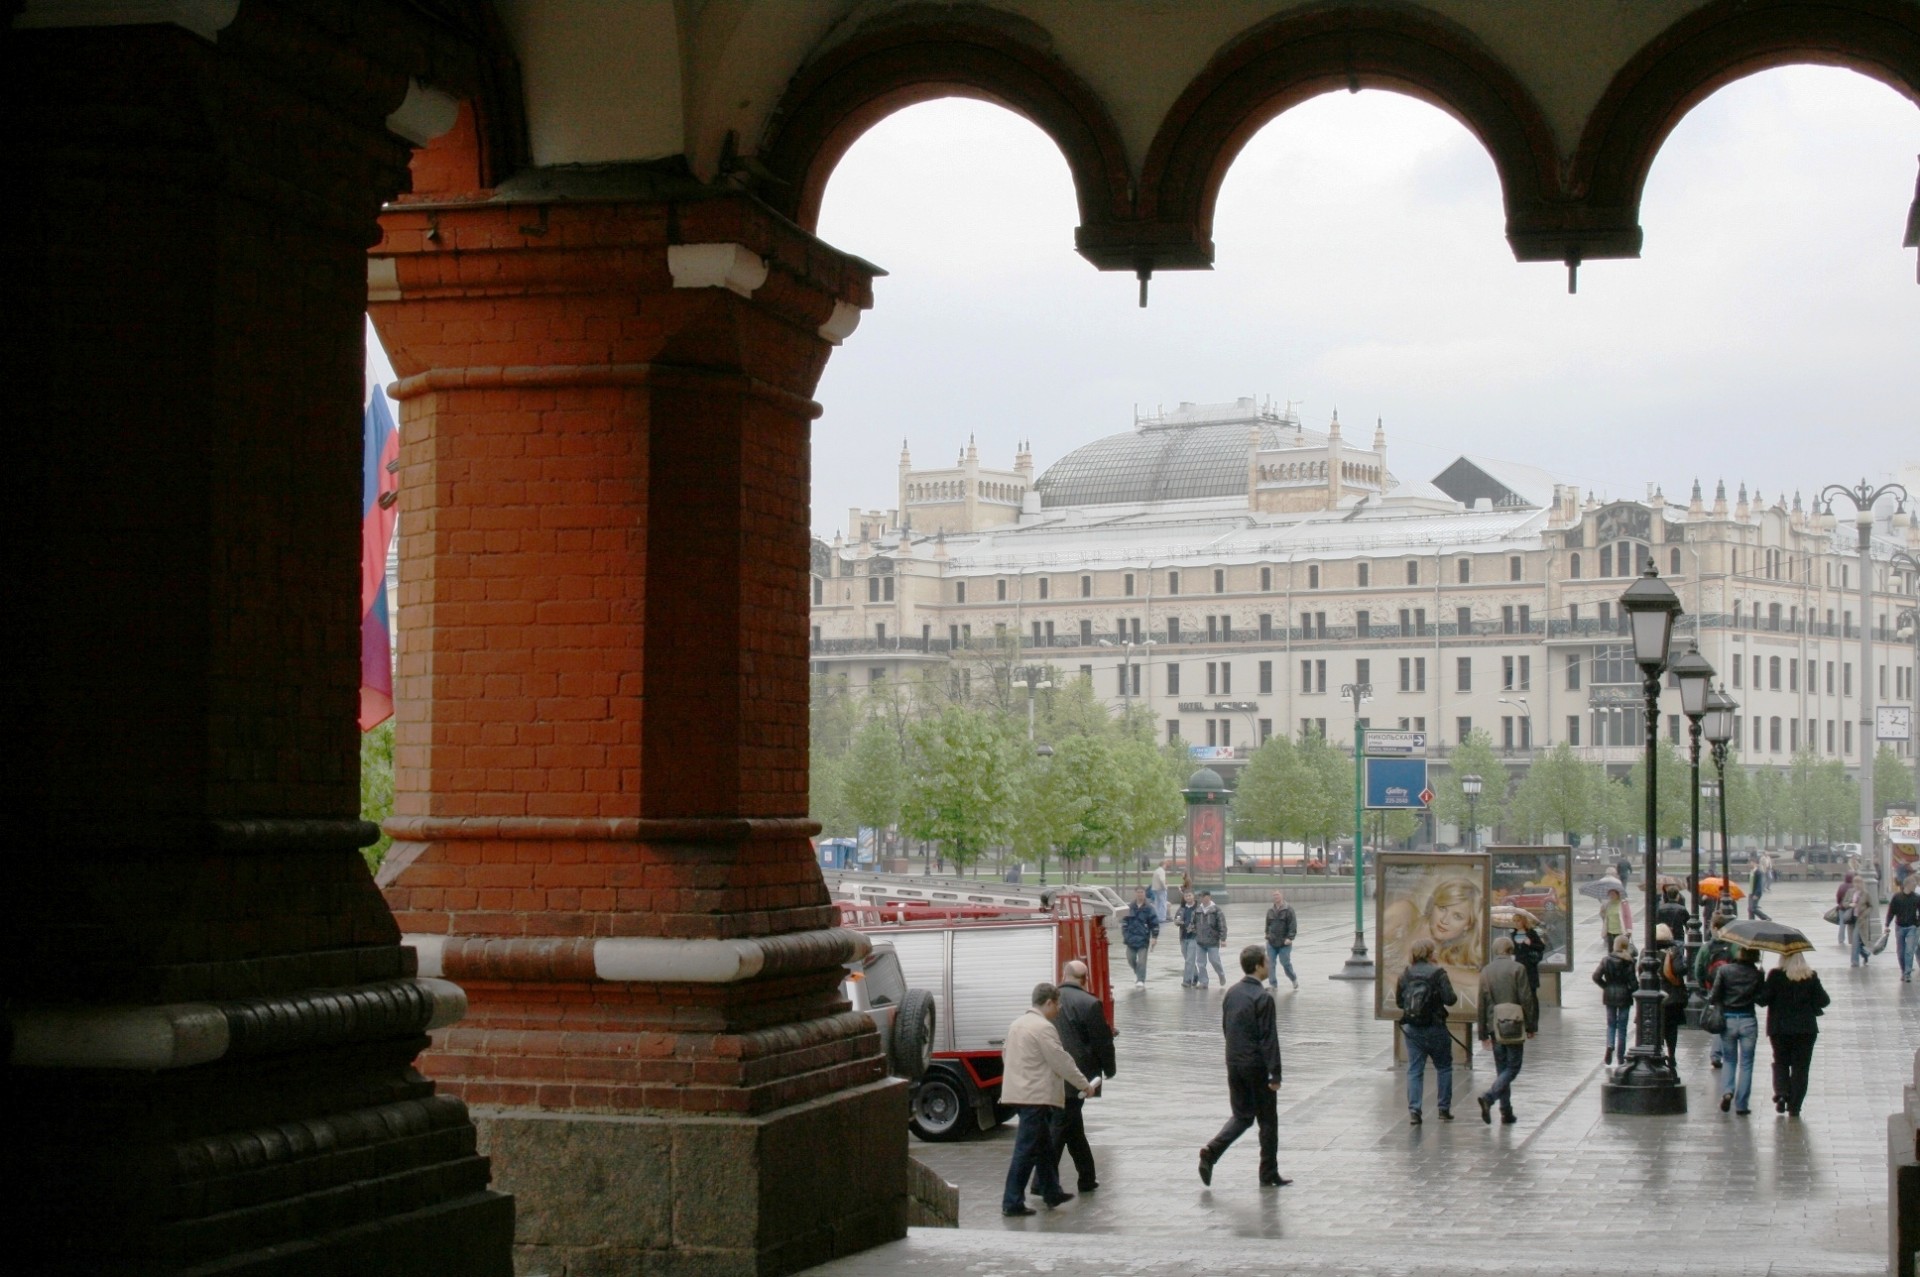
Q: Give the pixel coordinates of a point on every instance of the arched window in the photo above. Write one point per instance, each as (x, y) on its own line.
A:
(1673, 562)
(1573, 567)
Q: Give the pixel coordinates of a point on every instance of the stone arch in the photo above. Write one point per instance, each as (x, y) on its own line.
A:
(1710, 49)
(985, 55)
(1284, 62)
(488, 143)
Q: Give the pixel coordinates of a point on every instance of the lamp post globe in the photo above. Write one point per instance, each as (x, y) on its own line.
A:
(1646, 1082)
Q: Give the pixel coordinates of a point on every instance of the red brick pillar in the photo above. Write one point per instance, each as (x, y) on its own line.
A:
(601, 770)
(210, 1021)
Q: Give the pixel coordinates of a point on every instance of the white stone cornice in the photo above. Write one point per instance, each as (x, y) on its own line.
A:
(734, 267)
(840, 324)
(152, 1037)
(383, 280)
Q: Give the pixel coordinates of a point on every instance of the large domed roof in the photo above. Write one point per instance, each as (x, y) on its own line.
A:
(1197, 451)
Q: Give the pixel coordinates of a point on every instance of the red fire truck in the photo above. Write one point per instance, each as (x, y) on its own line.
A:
(980, 963)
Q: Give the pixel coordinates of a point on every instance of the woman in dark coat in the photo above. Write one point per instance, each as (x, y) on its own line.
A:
(1794, 999)
(1615, 977)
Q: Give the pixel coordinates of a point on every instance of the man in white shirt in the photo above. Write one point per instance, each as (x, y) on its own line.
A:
(1037, 1072)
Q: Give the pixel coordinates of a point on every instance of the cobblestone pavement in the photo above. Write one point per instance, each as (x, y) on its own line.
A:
(1567, 1190)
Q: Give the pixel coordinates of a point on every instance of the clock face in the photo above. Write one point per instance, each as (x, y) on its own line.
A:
(1894, 722)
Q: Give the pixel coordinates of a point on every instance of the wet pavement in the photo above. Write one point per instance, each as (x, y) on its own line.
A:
(1566, 1190)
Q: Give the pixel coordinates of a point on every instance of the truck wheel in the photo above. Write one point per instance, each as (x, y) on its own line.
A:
(912, 1046)
(940, 1110)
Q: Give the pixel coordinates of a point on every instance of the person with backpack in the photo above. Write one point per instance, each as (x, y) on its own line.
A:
(1713, 955)
(1615, 977)
(1140, 932)
(1509, 1017)
(1209, 933)
(1736, 986)
(1794, 999)
(1183, 920)
(1670, 966)
(1423, 994)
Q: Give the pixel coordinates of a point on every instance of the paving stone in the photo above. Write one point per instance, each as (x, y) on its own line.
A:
(1574, 1190)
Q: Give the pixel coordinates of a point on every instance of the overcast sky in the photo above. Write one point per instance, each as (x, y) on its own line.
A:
(1770, 333)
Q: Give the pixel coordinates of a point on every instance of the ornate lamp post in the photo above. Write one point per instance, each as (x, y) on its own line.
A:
(1862, 497)
(1470, 786)
(1358, 966)
(1645, 1083)
(1718, 729)
(1696, 681)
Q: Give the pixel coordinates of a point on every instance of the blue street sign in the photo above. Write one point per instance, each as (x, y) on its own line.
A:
(1397, 784)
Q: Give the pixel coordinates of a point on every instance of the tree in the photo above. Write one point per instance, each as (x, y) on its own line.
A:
(1262, 811)
(826, 795)
(1892, 779)
(376, 787)
(873, 776)
(1673, 806)
(960, 789)
(1769, 804)
(1473, 756)
(1151, 779)
(1326, 792)
(1557, 796)
(1069, 708)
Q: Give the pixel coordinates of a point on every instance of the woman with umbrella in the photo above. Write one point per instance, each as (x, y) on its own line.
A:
(1736, 984)
(1615, 918)
(1794, 998)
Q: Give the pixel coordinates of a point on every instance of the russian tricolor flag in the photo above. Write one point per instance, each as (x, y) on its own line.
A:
(379, 496)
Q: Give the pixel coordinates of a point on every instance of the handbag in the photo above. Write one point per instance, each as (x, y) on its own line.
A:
(1509, 1023)
(1713, 1019)
(1832, 916)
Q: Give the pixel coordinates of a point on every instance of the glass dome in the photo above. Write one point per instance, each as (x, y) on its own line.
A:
(1163, 463)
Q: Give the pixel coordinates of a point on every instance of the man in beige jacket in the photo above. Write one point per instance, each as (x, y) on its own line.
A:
(1038, 1071)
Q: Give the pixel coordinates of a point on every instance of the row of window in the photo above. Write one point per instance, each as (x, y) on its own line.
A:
(1363, 576)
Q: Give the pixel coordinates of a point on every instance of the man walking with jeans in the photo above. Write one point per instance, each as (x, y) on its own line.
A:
(1423, 996)
(1253, 1070)
(1509, 1016)
(1282, 927)
(1209, 933)
(1903, 915)
(1037, 1072)
(1139, 931)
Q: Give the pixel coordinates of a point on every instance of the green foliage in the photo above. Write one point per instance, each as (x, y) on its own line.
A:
(826, 795)
(1769, 803)
(873, 778)
(376, 786)
(1673, 808)
(960, 790)
(1069, 708)
(1295, 791)
(1892, 780)
(1473, 756)
(1557, 798)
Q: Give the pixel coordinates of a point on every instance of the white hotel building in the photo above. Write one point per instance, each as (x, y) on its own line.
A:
(1232, 569)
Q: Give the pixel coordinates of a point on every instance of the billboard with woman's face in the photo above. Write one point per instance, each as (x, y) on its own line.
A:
(1441, 897)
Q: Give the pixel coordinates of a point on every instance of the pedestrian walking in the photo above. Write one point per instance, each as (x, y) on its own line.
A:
(1088, 1038)
(1253, 1070)
(1509, 1017)
(1615, 977)
(1189, 953)
(1903, 917)
(1855, 902)
(1794, 999)
(1623, 869)
(1139, 932)
(1423, 994)
(1673, 910)
(1840, 895)
(1735, 986)
(1530, 950)
(1613, 917)
(1158, 893)
(1209, 933)
(1282, 926)
(1713, 955)
(1757, 884)
(1037, 1072)
(1670, 964)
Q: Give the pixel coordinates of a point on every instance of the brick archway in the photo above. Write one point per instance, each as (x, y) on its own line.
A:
(854, 86)
(1282, 63)
(1712, 48)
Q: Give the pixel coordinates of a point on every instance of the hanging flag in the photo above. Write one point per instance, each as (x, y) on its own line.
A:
(379, 497)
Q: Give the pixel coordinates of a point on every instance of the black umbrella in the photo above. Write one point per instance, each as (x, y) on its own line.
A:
(1757, 933)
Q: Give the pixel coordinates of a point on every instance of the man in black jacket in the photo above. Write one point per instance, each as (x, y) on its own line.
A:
(1423, 994)
(1282, 927)
(1253, 1069)
(1084, 1032)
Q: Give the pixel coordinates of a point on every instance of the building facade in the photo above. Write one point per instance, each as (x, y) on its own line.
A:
(1233, 571)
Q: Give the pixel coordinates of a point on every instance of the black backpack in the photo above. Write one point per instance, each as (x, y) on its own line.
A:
(1419, 1000)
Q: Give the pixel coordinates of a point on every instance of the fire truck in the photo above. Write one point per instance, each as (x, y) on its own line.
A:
(980, 963)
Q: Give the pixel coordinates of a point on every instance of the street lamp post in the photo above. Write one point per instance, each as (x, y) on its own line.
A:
(1646, 1083)
(1359, 966)
(1909, 623)
(1695, 675)
(1862, 496)
(1470, 786)
(1718, 729)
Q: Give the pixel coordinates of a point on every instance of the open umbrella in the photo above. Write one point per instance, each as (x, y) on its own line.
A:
(1757, 933)
(1714, 888)
(1513, 918)
(1599, 887)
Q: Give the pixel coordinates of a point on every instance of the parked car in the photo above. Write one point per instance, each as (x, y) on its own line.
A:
(905, 1017)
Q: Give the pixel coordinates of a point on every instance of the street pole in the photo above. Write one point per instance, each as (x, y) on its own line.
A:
(1863, 497)
(1358, 965)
